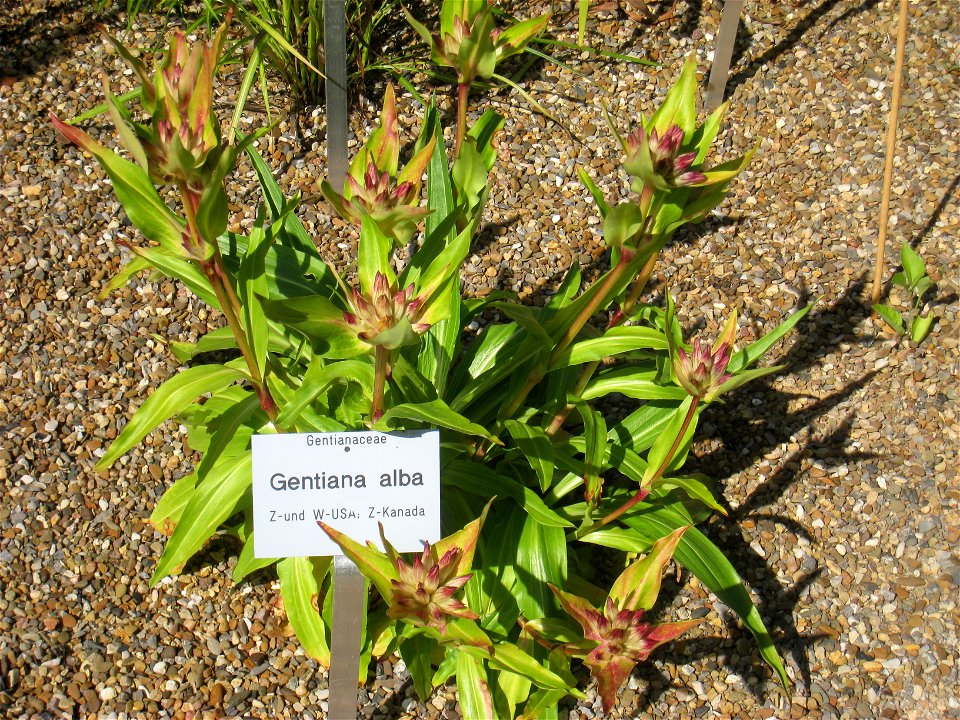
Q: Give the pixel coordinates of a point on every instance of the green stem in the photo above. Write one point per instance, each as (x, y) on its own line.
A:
(600, 299)
(381, 369)
(639, 284)
(640, 494)
(215, 271)
(463, 91)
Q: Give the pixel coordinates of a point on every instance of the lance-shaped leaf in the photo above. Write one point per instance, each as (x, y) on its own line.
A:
(680, 104)
(134, 189)
(638, 586)
(373, 563)
(170, 398)
(515, 38)
(465, 540)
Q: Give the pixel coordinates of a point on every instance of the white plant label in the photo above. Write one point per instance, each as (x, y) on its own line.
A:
(349, 480)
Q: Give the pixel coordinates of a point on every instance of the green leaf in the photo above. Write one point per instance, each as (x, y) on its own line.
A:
(595, 445)
(543, 702)
(680, 105)
(526, 317)
(640, 429)
(183, 270)
(467, 633)
(374, 565)
(634, 382)
(212, 502)
(695, 488)
(170, 398)
(247, 563)
(318, 377)
(639, 585)
(166, 514)
(515, 38)
(705, 560)
(482, 132)
(621, 224)
(667, 442)
(476, 702)
(625, 539)
(595, 192)
(219, 339)
(484, 482)
(536, 447)
(413, 387)
(705, 135)
(756, 350)
(135, 191)
(566, 292)
(434, 413)
(490, 361)
(300, 582)
(469, 175)
(921, 327)
(321, 321)
(294, 234)
(136, 264)
(417, 652)
(742, 378)
(541, 557)
(508, 656)
(373, 255)
(615, 341)
(212, 213)
(229, 434)
(912, 264)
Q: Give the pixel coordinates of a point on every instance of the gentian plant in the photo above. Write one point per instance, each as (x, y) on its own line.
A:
(470, 43)
(505, 602)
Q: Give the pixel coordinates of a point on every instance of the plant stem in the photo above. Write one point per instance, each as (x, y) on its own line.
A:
(215, 271)
(463, 91)
(640, 494)
(639, 284)
(381, 369)
(599, 300)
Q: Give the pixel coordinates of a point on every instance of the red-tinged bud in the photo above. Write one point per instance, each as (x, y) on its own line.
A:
(657, 159)
(617, 637)
(388, 317)
(422, 594)
(703, 372)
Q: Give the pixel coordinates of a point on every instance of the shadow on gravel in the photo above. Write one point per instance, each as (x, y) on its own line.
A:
(817, 335)
(33, 35)
(935, 215)
(794, 37)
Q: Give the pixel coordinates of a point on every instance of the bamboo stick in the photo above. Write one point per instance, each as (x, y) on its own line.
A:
(891, 151)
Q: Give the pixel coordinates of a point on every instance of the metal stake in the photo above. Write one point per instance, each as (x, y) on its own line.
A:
(335, 67)
(348, 587)
(723, 53)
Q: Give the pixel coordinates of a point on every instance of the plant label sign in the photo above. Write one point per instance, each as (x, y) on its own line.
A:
(352, 481)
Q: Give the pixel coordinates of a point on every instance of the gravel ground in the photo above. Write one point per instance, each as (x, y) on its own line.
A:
(840, 474)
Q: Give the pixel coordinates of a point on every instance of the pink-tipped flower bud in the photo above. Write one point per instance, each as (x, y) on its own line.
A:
(388, 317)
(657, 159)
(703, 372)
(423, 593)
